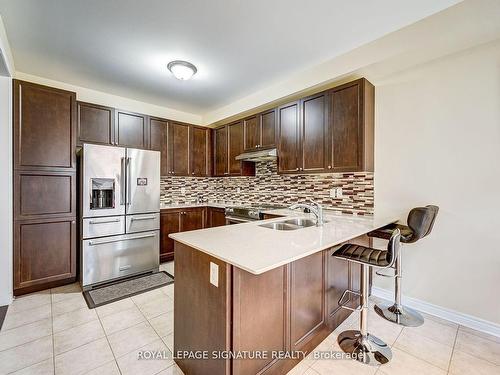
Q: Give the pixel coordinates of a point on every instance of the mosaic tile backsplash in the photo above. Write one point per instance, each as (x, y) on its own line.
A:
(269, 187)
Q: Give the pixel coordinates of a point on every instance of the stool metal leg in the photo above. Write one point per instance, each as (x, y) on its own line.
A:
(396, 312)
(364, 347)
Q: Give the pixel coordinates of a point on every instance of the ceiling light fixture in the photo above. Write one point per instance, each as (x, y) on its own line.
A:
(182, 70)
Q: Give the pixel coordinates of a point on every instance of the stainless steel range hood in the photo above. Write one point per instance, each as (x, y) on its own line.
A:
(259, 155)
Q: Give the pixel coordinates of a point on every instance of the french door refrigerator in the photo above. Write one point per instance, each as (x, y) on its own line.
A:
(120, 209)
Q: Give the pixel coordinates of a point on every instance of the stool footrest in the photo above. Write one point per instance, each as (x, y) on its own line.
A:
(343, 303)
(380, 273)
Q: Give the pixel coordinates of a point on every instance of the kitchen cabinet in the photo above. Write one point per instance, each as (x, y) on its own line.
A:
(178, 220)
(289, 138)
(44, 128)
(307, 308)
(170, 222)
(178, 146)
(314, 133)
(158, 129)
(260, 130)
(303, 135)
(96, 124)
(199, 145)
(220, 151)
(229, 143)
(131, 129)
(351, 125)
(216, 217)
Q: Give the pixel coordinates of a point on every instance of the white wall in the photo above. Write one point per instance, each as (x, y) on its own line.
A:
(438, 142)
(6, 191)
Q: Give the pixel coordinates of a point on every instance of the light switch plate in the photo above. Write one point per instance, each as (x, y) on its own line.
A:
(214, 274)
(183, 191)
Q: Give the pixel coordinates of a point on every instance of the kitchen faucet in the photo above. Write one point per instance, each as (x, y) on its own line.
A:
(314, 207)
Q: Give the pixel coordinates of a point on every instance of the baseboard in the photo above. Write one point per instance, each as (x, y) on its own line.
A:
(442, 312)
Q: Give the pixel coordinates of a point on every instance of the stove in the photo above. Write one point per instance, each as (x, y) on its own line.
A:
(246, 213)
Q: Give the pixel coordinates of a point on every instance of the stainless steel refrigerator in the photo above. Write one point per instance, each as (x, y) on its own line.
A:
(120, 209)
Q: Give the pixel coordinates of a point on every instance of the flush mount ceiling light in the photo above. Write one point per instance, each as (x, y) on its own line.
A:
(182, 70)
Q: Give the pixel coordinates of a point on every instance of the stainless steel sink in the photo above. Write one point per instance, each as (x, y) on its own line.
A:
(301, 222)
(290, 224)
(280, 226)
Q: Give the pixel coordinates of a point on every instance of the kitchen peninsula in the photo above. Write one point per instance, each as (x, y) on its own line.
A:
(249, 288)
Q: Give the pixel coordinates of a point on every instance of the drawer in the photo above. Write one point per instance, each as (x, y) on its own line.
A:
(103, 226)
(142, 223)
(110, 258)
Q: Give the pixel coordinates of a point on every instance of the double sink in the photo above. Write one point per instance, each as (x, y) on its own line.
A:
(290, 224)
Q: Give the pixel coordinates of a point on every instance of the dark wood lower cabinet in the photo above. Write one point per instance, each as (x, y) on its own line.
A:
(44, 254)
(178, 220)
(290, 308)
(216, 217)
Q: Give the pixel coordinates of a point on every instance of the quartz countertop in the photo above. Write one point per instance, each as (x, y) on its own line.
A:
(256, 249)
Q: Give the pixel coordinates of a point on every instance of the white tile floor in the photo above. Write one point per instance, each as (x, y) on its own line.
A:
(53, 332)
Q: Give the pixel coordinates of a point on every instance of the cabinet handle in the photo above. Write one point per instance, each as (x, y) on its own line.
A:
(192, 173)
(297, 169)
(329, 167)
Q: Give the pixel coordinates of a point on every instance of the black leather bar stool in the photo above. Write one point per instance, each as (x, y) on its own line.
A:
(365, 347)
(420, 222)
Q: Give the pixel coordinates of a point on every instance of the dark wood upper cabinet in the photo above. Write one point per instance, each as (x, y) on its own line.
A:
(178, 145)
(158, 141)
(199, 145)
(314, 133)
(260, 130)
(229, 143)
(96, 124)
(235, 147)
(268, 128)
(289, 138)
(44, 127)
(220, 152)
(131, 129)
(252, 132)
(351, 124)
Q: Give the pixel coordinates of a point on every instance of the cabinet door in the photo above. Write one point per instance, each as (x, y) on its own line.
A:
(263, 327)
(131, 129)
(268, 128)
(307, 315)
(337, 281)
(314, 134)
(96, 124)
(44, 127)
(170, 222)
(199, 151)
(289, 138)
(252, 133)
(220, 151)
(346, 128)
(44, 253)
(216, 217)
(192, 219)
(178, 144)
(235, 146)
(158, 141)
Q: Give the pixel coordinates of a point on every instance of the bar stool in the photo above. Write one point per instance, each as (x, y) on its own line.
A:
(365, 347)
(420, 222)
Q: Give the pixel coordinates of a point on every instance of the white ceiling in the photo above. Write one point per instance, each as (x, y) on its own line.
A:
(239, 46)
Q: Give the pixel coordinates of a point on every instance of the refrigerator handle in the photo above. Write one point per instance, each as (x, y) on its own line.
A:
(129, 182)
(122, 182)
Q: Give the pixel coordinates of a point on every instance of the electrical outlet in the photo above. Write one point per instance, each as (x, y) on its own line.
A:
(238, 190)
(183, 191)
(214, 274)
(336, 192)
